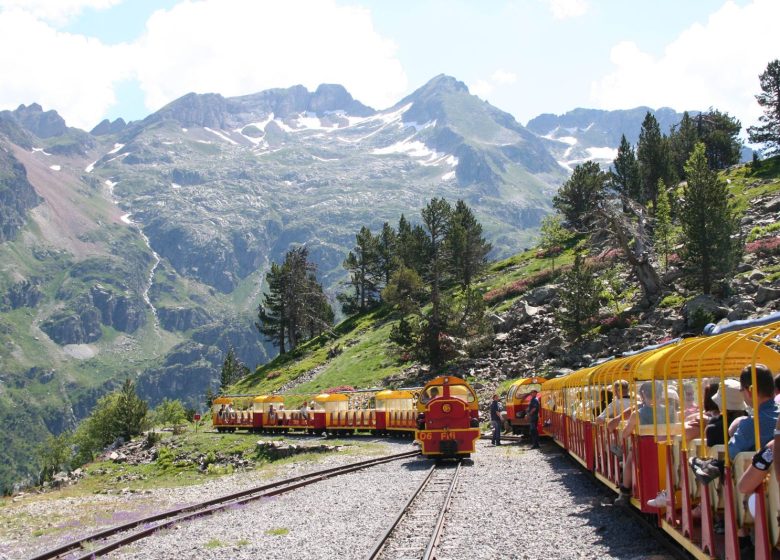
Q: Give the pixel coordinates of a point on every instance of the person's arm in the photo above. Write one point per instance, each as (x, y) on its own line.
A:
(629, 427)
(751, 479)
(614, 422)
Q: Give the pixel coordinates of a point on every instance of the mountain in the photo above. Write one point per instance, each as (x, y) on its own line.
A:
(592, 134)
(139, 249)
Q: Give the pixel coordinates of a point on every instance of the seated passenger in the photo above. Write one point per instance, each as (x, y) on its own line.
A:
(743, 438)
(644, 415)
(221, 412)
(304, 410)
(621, 401)
(734, 406)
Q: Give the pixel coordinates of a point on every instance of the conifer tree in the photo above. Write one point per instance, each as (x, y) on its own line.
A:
(624, 175)
(130, 411)
(710, 225)
(436, 218)
(579, 296)
(580, 194)
(768, 133)
(720, 134)
(664, 230)
(272, 313)
(652, 154)
(682, 139)
(363, 265)
(466, 247)
(232, 370)
(553, 236)
(387, 248)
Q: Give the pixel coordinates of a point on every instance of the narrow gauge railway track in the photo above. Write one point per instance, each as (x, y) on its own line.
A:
(96, 544)
(518, 439)
(416, 531)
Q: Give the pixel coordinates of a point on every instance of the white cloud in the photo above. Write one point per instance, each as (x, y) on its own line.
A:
(485, 87)
(71, 73)
(57, 12)
(564, 9)
(237, 47)
(481, 88)
(503, 77)
(715, 64)
(232, 47)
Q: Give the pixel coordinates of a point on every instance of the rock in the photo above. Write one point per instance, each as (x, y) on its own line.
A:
(766, 294)
(772, 205)
(541, 295)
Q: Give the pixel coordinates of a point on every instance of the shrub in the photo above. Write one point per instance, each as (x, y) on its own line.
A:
(764, 247)
(699, 318)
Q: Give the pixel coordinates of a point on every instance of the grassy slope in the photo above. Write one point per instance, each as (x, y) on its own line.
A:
(368, 357)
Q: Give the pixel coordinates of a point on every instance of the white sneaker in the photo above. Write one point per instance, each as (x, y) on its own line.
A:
(659, 501)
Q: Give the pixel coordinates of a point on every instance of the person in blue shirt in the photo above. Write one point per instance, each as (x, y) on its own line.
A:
(742, 431)
(495, 419)
(533, 419)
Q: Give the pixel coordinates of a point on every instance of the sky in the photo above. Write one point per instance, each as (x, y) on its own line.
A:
(96, 59)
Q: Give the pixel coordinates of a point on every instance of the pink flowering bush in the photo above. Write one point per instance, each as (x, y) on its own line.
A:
(764, 247)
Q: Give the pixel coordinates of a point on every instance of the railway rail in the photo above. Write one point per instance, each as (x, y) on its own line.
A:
(417, 529)
(97, 544)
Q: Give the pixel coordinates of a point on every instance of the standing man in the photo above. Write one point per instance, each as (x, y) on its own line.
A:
(533, 419)
(495, 419)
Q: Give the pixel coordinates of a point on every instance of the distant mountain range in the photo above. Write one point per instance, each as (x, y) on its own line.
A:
(138, 249)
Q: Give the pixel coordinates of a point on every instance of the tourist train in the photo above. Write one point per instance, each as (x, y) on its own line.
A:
(698, 502)
(443, 415)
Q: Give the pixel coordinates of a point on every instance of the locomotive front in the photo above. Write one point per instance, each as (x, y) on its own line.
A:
(447, 418)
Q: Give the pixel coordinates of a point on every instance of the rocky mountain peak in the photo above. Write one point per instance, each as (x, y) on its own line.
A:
(43, 124)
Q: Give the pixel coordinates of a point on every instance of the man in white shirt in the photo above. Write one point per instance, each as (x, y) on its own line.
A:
(621, 401)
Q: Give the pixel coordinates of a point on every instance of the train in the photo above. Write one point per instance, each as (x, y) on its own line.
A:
(702, 510)
(442, 416)
(517, 398)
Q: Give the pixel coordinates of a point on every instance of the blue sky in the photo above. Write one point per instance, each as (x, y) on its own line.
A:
(92, 59)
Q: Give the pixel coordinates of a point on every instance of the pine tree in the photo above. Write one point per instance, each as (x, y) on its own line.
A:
(710, 225)
(624, 175)
(553, 236)
(232, 370)
(664, 231)
(682, 139)
(272, 313)
(466, 246)
(579, 296)
(412, 247)
(768, 132)
(363, 266)
(652, 152)
(130, 411)
(720, 134)
(387, 248)
(580, 195)
(436, 217)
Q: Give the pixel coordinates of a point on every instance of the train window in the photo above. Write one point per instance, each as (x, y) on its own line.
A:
(430, 393)
(461, 392)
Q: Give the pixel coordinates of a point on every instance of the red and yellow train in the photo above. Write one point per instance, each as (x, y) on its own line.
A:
(443, 416)
(706, 516)
(517, 399)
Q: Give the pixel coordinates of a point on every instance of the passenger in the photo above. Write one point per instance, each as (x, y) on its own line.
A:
(777, 388)
(621, 401)
(533, 419)
(734, 406)
(495, 419)
(643, 415)
(743, 436)
(751, 482)
(221, 413)
(304, 410)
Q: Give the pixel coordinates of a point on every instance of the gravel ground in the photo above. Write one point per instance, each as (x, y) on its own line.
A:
(511, 503)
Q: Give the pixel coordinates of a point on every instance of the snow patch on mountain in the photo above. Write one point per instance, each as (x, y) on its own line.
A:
(416, 149)
(604, 153)
(221, 135)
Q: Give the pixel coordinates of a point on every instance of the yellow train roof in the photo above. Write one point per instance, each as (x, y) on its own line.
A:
(529, 381)
(331, 397)
(223, 400)
(269, 399)
(391, 394)
(448, 379)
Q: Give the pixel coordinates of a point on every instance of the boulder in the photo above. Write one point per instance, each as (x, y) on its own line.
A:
(541, 295)
(765, 294)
